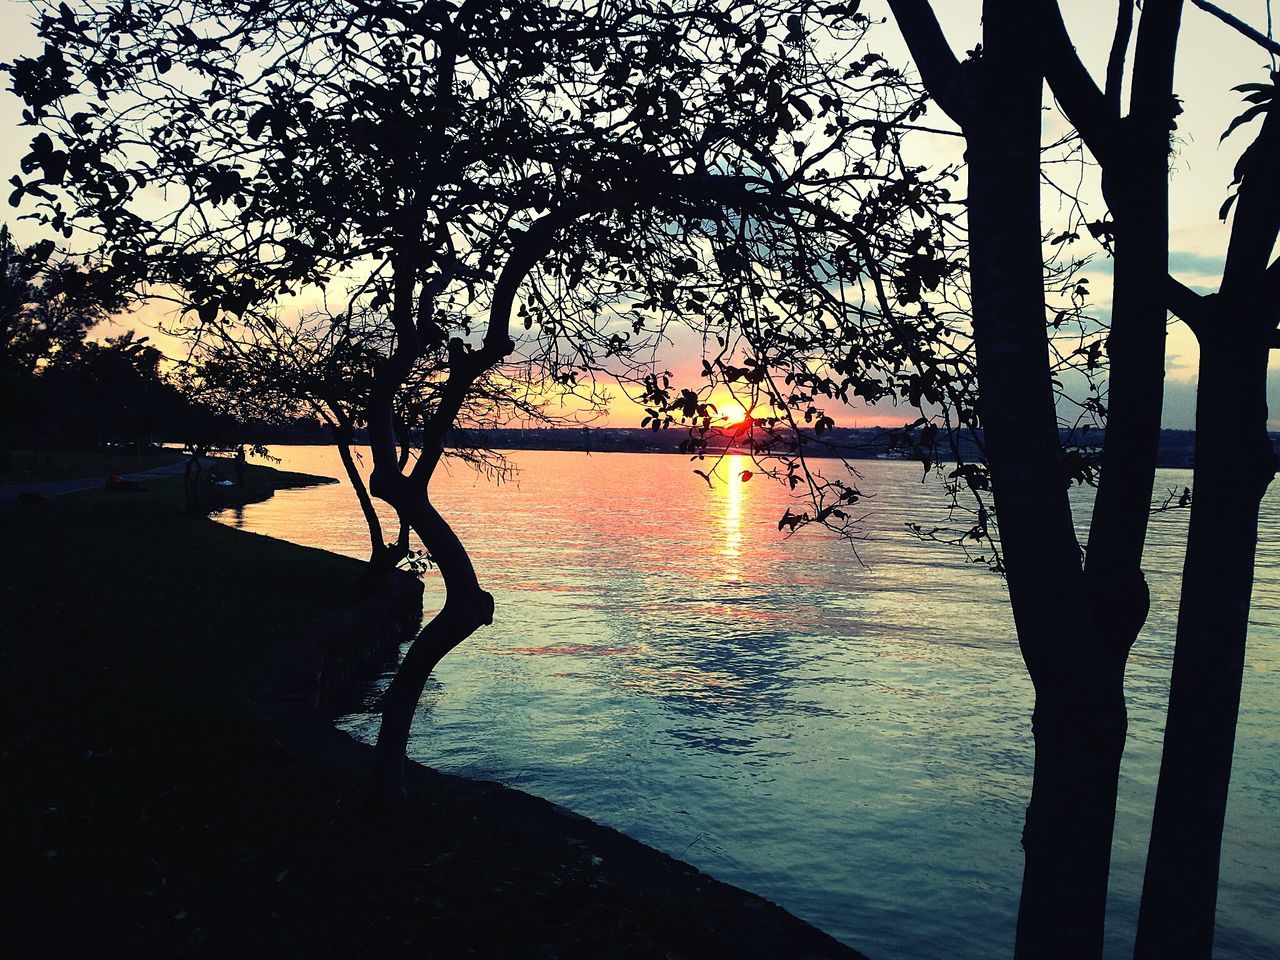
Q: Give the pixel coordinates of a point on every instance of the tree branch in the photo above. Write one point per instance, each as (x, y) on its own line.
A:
(1115, 61)
(1186, 304)
(1257, 36)
(1084, 104)
(942, 73)
(1151, 106)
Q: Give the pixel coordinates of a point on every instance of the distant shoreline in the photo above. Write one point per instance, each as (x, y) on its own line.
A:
(1177, 447)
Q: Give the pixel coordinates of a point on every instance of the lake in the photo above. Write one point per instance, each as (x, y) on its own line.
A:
(845, 734)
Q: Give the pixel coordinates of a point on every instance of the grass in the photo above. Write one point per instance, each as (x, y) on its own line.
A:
(26, 466)
(126, 582)
(131, 637)
(153, 808)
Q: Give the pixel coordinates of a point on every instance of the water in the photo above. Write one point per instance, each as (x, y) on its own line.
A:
(850, 739)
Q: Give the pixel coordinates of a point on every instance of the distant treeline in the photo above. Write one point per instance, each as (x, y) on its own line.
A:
(1177, 447)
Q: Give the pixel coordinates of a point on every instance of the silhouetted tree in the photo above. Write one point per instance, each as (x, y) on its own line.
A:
(1076, 655)
(60, 387)
(1085, 677)
(271, 368)
(1234, 465)
(47, 307)
(624, 165)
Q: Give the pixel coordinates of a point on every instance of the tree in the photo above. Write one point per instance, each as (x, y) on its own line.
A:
(47, 307)
(1234, 465)
(1075, 657)
(625, 166)
(271, 369)
(1180, 891)
(60, 386)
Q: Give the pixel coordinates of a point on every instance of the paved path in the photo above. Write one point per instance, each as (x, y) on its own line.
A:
(55, 488)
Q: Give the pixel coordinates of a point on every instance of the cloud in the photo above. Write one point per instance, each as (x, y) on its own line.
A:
(1196, 264)
(1186, 262)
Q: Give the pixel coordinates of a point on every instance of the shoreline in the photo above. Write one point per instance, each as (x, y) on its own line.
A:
(178, 787)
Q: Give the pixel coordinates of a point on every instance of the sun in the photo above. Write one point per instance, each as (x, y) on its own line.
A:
(732, 413)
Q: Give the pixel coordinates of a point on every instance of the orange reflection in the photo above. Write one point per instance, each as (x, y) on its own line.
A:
(731, 518)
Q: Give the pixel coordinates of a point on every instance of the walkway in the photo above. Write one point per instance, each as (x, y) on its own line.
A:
(10, 493)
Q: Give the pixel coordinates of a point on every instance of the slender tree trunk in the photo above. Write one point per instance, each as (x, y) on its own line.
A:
(1234, 466)
(1082, 746)
(379, 560)
(1136, 182)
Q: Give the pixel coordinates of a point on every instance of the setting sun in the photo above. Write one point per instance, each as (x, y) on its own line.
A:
(732, 413)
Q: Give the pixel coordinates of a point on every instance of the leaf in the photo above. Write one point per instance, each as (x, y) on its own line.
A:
(802, 107)
(258, 122)
(1245, 117)
(1226, 207)
(1255, 88)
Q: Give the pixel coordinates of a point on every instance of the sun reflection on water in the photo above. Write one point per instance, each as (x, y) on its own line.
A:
(731, 520)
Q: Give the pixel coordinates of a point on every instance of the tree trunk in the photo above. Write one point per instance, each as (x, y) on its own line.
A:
(1234, 466)
(466, 609)
(1079, 719)
(1081, 716)
(379, 560)
(1079, 740)
(1136, 184)
(455, 622)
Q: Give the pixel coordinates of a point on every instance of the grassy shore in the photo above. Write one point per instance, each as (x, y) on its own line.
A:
(154, 807)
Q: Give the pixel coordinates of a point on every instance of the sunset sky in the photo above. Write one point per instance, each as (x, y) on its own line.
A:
(1212, 59)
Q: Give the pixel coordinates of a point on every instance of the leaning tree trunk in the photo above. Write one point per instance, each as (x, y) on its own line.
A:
(383, 557)
(1234, 465)
(466, 608)
(1135, 157)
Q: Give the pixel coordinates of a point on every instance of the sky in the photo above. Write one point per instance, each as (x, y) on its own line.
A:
(1212, 58)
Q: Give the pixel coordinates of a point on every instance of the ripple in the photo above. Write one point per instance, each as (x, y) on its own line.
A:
(852, 742)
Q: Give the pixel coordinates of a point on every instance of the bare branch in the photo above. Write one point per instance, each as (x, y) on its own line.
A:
(1257, 36)
(1189, 306)
(1119, 49)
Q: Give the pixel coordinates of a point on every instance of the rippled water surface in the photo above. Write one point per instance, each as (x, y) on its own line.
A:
(850, 739)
